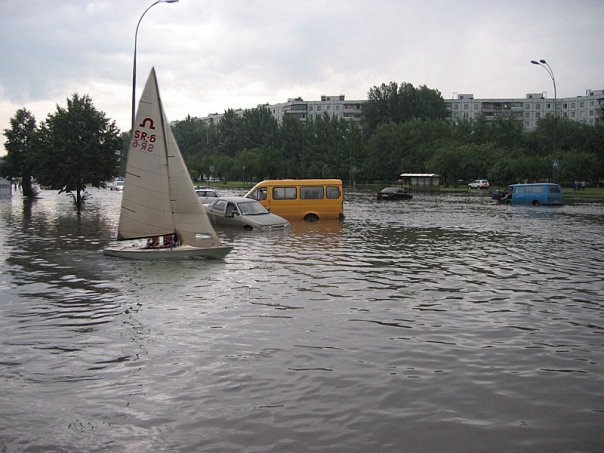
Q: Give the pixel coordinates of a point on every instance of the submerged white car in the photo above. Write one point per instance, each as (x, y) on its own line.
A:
(206, 194)
(243, 213)
(118, 185)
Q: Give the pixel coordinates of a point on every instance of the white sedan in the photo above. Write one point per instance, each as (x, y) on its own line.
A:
(243, 213)
(206, 194)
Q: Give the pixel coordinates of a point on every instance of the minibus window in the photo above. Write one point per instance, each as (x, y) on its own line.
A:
(333, 192)
(284, 193)
(311, 193)
(259, 194)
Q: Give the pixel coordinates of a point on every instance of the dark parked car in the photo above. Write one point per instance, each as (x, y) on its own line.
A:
(394, 193)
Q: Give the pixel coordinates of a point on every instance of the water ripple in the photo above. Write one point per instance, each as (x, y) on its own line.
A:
(431, 325)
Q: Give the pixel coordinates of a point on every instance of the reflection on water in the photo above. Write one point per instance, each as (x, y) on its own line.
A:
(442, 323)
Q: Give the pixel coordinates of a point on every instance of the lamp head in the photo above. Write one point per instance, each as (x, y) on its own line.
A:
(534, 62)
(540, 61)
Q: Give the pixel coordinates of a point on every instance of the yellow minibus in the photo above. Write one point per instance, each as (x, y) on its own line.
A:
(308, 199)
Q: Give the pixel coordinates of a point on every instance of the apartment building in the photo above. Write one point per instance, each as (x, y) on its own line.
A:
(530, 109)
(585, 109)
(335, 106)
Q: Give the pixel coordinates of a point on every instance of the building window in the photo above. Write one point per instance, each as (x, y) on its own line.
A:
(537, 106)
(466, 106)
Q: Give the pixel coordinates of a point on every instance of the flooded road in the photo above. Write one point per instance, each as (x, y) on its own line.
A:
(444, 323)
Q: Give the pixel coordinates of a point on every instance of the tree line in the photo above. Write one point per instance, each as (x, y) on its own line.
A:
(403, 129)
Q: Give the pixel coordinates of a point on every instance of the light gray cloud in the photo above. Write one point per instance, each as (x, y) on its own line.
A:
(211, 56)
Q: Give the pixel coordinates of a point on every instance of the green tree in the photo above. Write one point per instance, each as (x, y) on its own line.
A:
(189, 134)
(293, 142)
(391, 102)
(258, 128)
(79, 146)
(20, 145)
(576, 165)
(447, 161)
(229, 133)
(383, 153)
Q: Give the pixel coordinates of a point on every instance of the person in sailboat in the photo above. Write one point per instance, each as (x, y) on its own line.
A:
(168, 241)
(153, 242)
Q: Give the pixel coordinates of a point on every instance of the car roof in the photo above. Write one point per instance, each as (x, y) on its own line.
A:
(237, 199)
(535, 184)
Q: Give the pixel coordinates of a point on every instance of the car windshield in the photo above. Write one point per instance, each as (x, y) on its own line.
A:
(251, 208)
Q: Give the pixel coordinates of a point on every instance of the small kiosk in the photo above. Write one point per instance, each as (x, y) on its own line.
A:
(420, 181)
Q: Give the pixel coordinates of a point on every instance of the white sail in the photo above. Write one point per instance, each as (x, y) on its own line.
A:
(158, 197)
(192, 224)
(146, 209)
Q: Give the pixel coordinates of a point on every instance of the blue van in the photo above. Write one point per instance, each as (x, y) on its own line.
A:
(536, 194)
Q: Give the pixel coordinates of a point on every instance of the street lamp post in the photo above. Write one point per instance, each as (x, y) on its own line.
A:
(134, 64)
(548, 68)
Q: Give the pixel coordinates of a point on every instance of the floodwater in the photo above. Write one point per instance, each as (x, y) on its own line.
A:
(446, 323)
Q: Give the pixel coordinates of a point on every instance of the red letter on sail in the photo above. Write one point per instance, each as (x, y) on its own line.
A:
(151, 124)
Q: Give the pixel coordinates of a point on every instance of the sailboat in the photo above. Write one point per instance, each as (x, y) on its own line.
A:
(159, 198)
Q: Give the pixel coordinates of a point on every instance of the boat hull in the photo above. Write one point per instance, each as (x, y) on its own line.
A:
(136, 252)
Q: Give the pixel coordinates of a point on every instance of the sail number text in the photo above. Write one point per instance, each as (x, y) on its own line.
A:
(143, 141)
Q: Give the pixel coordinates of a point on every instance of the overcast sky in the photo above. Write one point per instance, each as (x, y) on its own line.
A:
(214, 55)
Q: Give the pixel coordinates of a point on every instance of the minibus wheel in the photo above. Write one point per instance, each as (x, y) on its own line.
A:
(536, 203)
(311, 217)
